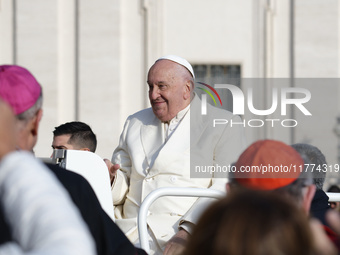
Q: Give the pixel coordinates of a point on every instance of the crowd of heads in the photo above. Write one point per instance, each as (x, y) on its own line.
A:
(252, 223)
(267, 212)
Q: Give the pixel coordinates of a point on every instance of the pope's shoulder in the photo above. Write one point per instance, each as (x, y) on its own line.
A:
(144, 116)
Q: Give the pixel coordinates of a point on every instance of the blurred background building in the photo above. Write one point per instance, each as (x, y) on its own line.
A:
(92, 57)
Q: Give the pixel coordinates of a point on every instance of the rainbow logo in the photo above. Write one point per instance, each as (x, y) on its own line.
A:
(209, 93)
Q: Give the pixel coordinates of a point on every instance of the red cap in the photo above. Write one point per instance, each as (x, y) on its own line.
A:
(18, 88)
(268, 165)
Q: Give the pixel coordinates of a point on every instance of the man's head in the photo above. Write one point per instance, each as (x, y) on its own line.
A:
(23, 93)
(171, 81)
(274, 166)
(74, 136)
(317, 160)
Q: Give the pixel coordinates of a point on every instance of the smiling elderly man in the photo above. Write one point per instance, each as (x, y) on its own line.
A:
(156, 149)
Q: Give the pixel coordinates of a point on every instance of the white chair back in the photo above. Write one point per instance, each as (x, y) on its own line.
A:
(94, 170)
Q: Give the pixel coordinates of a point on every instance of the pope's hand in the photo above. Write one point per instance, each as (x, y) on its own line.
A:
(176, 244)
(112, 169)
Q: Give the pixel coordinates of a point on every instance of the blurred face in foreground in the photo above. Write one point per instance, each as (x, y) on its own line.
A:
(7, 129)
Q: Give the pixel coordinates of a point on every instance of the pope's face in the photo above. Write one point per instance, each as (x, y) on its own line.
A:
(169, 89)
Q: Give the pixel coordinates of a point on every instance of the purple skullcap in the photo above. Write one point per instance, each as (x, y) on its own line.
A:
(18, 88)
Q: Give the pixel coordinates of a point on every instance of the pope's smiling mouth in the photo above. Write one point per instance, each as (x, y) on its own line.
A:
(158, 103)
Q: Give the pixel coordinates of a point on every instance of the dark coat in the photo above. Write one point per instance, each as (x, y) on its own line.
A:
(319, 206)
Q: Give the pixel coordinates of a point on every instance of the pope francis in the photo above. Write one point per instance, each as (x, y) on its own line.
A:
(159, 147)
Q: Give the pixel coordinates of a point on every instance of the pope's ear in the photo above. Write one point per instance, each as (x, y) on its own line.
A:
(187, 90)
